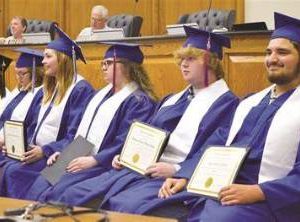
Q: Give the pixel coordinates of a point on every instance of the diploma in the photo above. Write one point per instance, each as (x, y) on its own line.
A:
(14, 138)
(216, 169)
(143, 146)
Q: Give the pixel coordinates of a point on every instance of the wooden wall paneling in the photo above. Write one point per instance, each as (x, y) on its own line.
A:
(34, 9)
(164, 73)
(2, 18)
(240, 11)
(92, 70)
(172, 9)
(78, 13)
(247, 74)
(244, 64)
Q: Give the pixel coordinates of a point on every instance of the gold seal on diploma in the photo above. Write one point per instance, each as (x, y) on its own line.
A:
(135, 158)
(208, 182)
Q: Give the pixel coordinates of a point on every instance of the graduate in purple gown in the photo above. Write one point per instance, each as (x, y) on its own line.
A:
(191, 116)
(55, 112)
(105, 123)
(16, 104)
(267, 187)
(29, 64)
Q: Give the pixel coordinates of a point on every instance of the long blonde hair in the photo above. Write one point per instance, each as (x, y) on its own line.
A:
(138, 74)
(214, 63)
(62, 80)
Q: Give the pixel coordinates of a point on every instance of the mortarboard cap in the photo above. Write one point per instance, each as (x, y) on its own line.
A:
(199, 38)
(27, 56)
(130, 51)
(286, 27)
(65, 45)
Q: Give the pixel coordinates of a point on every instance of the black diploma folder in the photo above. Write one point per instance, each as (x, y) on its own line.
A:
(79, 147)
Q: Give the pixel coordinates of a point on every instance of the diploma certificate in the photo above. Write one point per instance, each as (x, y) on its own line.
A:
(14, 137)
(143, 146)
(216, 169)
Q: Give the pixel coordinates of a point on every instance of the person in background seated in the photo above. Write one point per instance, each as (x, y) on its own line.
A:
(56, 110)
(267, 186)
(130, 98)
(206, 105)
(29, 74)
(99, 16)
(18, 26)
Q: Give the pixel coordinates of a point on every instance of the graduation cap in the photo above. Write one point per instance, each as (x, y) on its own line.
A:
(130, 51)
(123, 50)
(208, 41)
(67, 46)
(4, 64)
(30, 58)
(201, 39)
(286, 27)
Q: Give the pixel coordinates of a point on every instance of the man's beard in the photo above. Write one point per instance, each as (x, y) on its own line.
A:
(284, 79)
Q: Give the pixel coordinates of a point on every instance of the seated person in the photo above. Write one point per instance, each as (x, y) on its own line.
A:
(56, 109)
(4, 92)
(22, 96)
(99, 16)
(127, 97)
(191, 115)
(267, 186)
(18, 26)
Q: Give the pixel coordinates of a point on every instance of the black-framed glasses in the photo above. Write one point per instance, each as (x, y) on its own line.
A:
(107, 63)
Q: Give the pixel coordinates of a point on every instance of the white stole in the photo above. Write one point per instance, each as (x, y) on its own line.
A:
(8, 97)
(282, 141)
(173, 99)
(283, 137)
(242, 111)
(105, 114)
(20, 111)
(182, 138)
(51, 125)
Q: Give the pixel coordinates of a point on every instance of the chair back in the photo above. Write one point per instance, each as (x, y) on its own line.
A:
(215, 20)
(131, 24)
(35, 25)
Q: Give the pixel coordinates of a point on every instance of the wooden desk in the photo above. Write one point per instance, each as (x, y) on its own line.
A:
(243, 62)
(113, 216)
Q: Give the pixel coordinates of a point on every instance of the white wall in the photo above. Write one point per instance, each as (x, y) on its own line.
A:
(262, 10)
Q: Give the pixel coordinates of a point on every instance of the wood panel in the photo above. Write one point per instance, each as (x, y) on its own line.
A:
(78, 13)
(1, 17)
(33, 9)
(170, 10)
(244, 63)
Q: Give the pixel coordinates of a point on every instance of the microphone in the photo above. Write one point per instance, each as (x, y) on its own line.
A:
(208, 11)
(14, 211)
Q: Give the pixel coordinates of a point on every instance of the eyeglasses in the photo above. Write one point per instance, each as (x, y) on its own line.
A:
(22, 74)
(98, 19)
(107, 63)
